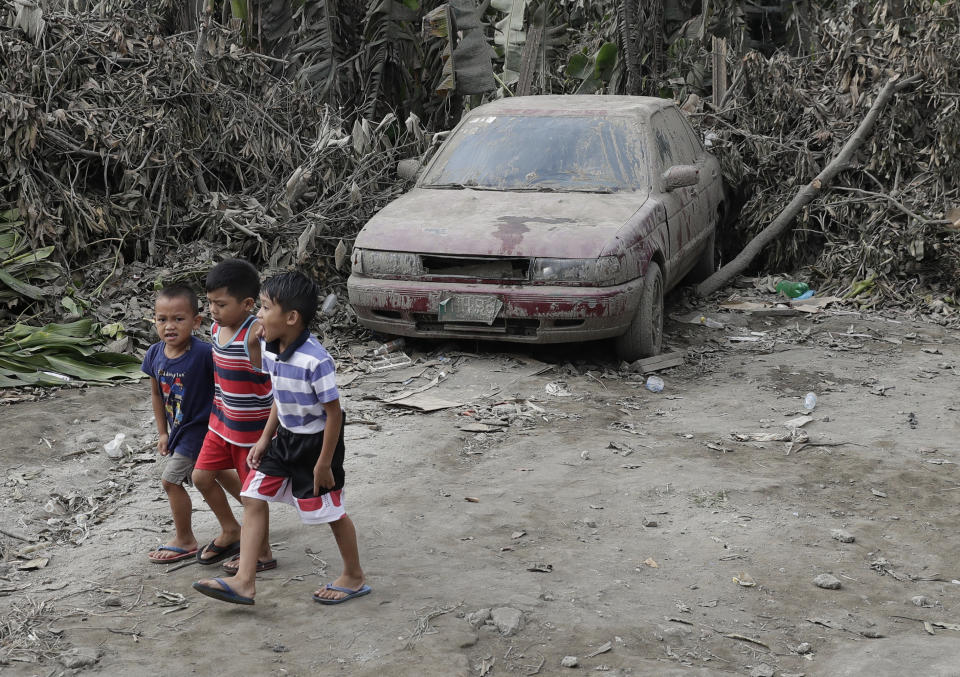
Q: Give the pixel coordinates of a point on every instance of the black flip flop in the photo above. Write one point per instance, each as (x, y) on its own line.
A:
(220, 552)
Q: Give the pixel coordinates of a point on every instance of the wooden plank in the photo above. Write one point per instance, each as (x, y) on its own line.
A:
(658, 362)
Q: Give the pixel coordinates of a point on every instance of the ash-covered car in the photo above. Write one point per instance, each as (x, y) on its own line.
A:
(545, 219)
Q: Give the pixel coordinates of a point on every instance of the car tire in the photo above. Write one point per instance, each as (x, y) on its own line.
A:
(704, 267)
(645, 333)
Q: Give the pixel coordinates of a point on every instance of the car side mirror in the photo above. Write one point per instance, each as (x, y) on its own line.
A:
(409, 169)
(680, 176)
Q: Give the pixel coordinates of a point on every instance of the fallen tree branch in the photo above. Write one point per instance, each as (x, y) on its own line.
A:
(808, 193)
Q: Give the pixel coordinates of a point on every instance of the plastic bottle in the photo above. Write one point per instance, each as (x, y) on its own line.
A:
(805, 295)
(329, 304)
(810, 401)
(710, 322)
(791, 289)
(390, 347)
(113, 446)
(654, 384)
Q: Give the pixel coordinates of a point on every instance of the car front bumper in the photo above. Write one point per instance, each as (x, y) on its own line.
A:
(529, 314)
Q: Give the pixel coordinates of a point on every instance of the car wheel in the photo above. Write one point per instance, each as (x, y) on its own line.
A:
(704, 266)
(645, 333)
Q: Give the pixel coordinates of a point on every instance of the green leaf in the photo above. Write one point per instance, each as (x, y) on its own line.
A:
(606, 60)
(579, 66)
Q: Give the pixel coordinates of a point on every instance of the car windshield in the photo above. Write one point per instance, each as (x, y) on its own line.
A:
(542, 153)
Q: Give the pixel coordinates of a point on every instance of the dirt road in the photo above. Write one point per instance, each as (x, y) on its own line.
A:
(632, 530)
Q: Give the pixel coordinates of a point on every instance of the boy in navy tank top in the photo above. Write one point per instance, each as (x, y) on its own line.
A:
(242, 399)
(180, 368)
(303, 464)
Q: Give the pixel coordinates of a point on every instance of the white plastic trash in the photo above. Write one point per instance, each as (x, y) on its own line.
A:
(810, 401)
(654, 384)
(113, 447)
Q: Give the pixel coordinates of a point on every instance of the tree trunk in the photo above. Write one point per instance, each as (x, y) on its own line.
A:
(808, 193)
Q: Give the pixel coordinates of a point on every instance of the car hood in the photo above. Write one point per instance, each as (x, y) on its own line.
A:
(468, 222)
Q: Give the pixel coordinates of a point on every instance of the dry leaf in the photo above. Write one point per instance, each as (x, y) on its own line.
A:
(652, 563)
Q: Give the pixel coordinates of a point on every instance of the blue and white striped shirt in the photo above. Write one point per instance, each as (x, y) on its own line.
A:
(304, 379)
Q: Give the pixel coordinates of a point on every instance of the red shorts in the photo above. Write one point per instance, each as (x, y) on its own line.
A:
(218, 454)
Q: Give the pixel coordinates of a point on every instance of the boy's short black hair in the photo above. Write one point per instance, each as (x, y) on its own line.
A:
(238, 277)
(293, 291)
(177, 291)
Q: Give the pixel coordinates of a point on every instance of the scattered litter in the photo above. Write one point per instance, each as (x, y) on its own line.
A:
(649, 523)
(603, 648)
(558, 389)
(654, 384)
(471, 499)
(114, 447)
(810, 401)
(744, 339)
(798, 422)
(480, 428)
(803, 648)
(878, 493)
(922, 601)
(657, 362)
(389, 362)
(540, 567)
(390, 347)
(518, 534)
(34, 564)
(745, 580)
(652, 563)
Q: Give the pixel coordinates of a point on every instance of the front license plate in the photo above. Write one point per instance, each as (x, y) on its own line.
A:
(469, 308)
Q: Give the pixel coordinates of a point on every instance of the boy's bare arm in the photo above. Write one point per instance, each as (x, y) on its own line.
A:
(260, 448)
(253, 344)
(160, 416)
(322, 473)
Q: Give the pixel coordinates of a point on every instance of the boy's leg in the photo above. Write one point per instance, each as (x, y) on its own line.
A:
(181, 508)
(206, 482)
(231, 483)
(255, 516)
(352, 577)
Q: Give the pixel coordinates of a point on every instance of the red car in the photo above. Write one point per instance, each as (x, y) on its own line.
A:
(545, 219)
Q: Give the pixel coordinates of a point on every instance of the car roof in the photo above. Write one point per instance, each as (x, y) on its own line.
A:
(573, 104)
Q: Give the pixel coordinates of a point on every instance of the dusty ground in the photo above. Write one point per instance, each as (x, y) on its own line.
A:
(636, 510)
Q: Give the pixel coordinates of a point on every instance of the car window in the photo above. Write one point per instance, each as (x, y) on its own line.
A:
(670, 122)
(540, 152)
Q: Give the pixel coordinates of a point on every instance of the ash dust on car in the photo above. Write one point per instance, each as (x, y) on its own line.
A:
(545, 219)
(537, 510)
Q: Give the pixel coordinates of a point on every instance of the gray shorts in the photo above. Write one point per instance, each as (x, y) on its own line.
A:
(177, 469)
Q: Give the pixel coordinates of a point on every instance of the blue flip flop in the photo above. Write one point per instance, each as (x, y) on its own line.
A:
(359, 592)
(224, 593)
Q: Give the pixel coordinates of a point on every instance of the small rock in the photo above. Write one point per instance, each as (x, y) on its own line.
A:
(569, 662)
(507, 619)
(842, 535)
(478, 617)
(922, 601)
(803, 648)
(113, 600)
(80, 658)
(762, 670)
(827, 582)
(650, 523)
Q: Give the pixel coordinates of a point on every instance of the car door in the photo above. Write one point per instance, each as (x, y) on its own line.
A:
(681, 204)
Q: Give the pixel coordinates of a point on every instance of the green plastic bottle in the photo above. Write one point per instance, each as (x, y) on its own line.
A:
(792, 289)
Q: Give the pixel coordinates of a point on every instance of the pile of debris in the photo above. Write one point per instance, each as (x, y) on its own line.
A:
(125, 143)
(888, 230)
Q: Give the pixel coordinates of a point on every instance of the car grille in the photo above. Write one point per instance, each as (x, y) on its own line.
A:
(516, 269)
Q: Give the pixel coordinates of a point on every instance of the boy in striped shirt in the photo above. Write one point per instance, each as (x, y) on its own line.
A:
(242, 399)
(303, 464)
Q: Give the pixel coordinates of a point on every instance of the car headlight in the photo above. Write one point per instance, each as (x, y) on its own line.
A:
(388, 264)
(601, 271)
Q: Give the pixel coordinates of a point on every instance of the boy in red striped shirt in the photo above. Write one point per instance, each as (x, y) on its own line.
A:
(242, 399)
